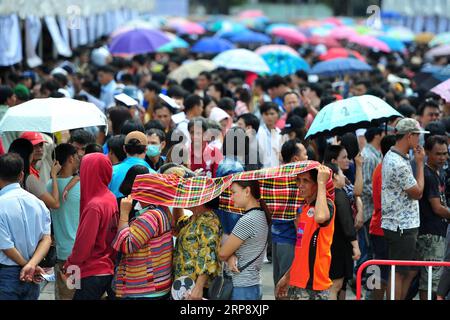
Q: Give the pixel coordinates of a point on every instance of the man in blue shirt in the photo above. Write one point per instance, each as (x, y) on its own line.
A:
(24, 233)
(106, 78)
(135, 147)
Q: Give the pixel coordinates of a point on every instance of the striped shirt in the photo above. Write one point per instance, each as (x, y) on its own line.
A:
(145, 269)
(252, 228)
(372, 158)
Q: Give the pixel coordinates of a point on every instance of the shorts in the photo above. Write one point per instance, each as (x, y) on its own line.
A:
(402, 245)
(296, 293)
(431, 248)
(380, 252)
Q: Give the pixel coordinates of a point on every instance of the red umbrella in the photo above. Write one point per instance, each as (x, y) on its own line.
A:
(335, 53)
(327, 41)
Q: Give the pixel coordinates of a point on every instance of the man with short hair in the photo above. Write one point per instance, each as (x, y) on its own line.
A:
(193, 108)
(164, 114)
(203, 81)
(156, 144)
(7, 100)
(269, 137)
(250, 123)
(434, 213)
(80, 138)
(291, 100)
(308, 277)
(65, 219)
(24, 233)
(399, 201)
(135, 147)
(105, 76)
(428, 112)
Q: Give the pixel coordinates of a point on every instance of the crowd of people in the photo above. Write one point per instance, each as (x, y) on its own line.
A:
(70, 192)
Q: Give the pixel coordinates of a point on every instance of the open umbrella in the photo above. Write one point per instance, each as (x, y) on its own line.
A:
(275, 48)
(424, 37)
(443, 90)
(212, 45)
(442, 38)
(175, 43)
(52, 115)
(327, 41)
(291, 36)
(241, 59)
(430, 76)
(273, 26)
(350, 114)
(138, 41)
(335, 53)
(283, 63)
(401, 33)
(191, 70)
(394, 44)
(343, 32)
(339, 67)
(442, 50)
(250, 37)
(370, 42)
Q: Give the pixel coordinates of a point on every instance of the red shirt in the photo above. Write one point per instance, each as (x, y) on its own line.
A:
(2, 150)
(209, 162)
(375, 223)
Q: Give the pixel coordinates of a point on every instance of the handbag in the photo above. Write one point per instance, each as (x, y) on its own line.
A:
(221, 287)
(50, 259)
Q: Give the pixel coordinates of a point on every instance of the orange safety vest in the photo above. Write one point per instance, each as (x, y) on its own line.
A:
(311, 265)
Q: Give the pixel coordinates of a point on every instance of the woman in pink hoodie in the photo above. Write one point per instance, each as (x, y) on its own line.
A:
(92, 258)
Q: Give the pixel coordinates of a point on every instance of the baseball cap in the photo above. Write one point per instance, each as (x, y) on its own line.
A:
(141, 137)
(408, 125)
(34, 137)
(293, 123)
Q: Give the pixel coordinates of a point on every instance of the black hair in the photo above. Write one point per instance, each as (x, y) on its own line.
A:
(5, 93)
(365, 83)
(350, 142)
(377, 92)
(24, 148)
(302, 112)
(56, 94)
(406, 110)
(127, 184)
(332, 152)
(107, 69)
(162, 106)
(130, 126)
(244, 95)
(387, 143)
(266, 106)
(134, 147)
(289, 150)
(276, 81)
(81, 97)
(302, 74)
(334, 167)
(81, 136)
(234, 138)
(433, 140)
(371, 133)
(317, 88)
(290, 92)
(436, 128)
(154, 124)
(126, 77)
(189, 85)
(429, 103)
(261, 82)
(61, 79)
(191, 101)
(198, 120)
(250, 120)
(206, 74)
(63, 151)
(11, 166)
(255, 191)
(226, 104)
(115, 145)
(219, 86)
(177, 92)
(93, 148)
(153, 86)
(118, 115)
(159, 133)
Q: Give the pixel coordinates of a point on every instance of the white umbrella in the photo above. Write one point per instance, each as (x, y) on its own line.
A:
(241, 59)
(52, 115)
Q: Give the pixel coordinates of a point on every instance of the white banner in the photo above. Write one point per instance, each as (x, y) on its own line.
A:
(84, 38)
(10, 40)
(61, 46)
(33, 29)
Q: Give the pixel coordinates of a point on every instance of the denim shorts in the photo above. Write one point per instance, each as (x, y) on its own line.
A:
(247, 293)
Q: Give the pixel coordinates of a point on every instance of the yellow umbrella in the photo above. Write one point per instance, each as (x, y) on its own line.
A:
(191, 70)
(424, 37)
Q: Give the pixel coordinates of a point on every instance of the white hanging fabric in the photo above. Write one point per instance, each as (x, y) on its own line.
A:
(84, 38)
(33, 28)
(61, 46)
(10, 40)
(92, 24)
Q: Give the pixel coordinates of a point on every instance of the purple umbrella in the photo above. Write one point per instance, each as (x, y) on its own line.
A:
(138, 41)
(443, 90)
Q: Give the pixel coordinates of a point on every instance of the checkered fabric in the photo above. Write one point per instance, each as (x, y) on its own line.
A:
(278, 189)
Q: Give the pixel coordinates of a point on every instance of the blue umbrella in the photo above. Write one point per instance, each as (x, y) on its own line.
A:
(250, 37)
(283, 63)
(340, 66)
(212, 45)
(350, 114)
(394, 44)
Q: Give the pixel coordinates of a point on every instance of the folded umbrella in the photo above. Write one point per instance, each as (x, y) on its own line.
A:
(350, 114)
(52, 115)
(241, 59)
(339, 67)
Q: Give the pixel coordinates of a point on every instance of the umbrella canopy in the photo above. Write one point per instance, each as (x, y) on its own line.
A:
(250, 37)
(443, 90)
(138, 41)
(335, 53)
(370, 42)
(184, 26)
(442, 50)
(283, 63)
(343, 32)
(275, 48)
(241, 59)
(191, 70)
(212, 45)
(273, 26)
(175, 43)
(350, 114)
(322, 31)
(251, 14)
(393, 44)
(339, 67)
(424, 37)
(52, 115)
(291, 36)
(442, 38)
(327, 41)
(402, 34)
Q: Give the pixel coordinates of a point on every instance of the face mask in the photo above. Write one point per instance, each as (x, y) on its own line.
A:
(153, 150)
